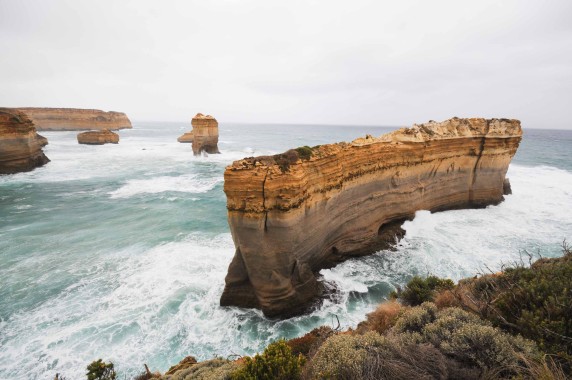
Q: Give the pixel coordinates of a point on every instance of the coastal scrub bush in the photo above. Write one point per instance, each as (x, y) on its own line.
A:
(284, 160)
(382, 318)
(419, 290)
(372, 356)
(534, 301)
(100, 370)
(464, 337)
(275, 363)
(414, 319)
(214, 369)
(307, 344)
(343, 356)
(304, 152)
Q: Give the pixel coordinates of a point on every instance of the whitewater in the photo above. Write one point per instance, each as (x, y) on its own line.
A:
(119, 251)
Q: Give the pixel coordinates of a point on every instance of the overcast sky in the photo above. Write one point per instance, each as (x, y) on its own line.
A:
(351, 62)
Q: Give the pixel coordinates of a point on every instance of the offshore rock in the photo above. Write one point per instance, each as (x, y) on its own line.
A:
(98, 137)
(20, 145)
(73, 119)
(293, 214)
(205, 134)
(186, 137)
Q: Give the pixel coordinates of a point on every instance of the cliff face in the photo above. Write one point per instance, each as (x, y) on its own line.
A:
(293, 214)
(98, 137)
(72, 119)
(20, 145)
(204, 134)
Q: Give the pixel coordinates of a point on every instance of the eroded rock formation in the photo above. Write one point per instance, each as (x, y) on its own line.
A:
(73, 119)
(205, 134)
(98, 137)
(186, 137)
(20, 145)
(294, 214)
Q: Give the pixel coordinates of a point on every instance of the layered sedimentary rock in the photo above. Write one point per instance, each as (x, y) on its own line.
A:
(307, 209)
(20, 145)
(98, 137)
(186, 137)
(205, 134)
(73, 119)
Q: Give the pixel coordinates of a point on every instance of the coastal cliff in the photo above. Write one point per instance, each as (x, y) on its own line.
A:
(98, 137)
(204, 134)
(20, 145)
(73, 119)
(296, 213)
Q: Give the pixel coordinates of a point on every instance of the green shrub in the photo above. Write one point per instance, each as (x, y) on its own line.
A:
(534, 301)
(100, 370)
(214, 369)
(372, 356)
(275, 363)
(343, 355)
(414, 319)
(464, 337)
(419, 290)
(304, 152)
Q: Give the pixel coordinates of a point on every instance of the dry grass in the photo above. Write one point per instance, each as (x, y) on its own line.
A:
(382, 318)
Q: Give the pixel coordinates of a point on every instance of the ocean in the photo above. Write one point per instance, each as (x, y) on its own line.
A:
(119, 251)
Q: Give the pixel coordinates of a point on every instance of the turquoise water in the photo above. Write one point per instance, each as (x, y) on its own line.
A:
(120, 251)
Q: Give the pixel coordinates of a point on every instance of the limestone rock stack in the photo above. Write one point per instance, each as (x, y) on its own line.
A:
(186, 137)
(73, 119)
(205, 134)
(98, 137)
(293, 214)
(20, 145)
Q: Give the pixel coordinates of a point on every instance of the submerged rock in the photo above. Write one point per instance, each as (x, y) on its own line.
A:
(205, 134)
(293, 214)
(20, 145)
(98, 137)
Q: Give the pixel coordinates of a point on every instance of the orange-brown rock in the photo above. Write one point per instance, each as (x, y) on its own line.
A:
(205, 134)
(186, 137)
(73, 119)
(20, 145)
(98, 137)
(292, 215)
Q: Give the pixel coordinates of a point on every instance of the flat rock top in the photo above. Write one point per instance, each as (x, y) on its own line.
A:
(432, 130)
(200, 116)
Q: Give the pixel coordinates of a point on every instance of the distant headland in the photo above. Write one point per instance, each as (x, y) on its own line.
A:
(75, 119)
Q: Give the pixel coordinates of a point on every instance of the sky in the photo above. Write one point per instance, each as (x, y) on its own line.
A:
(355, 62)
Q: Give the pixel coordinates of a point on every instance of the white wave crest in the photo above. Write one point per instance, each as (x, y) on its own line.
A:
(182, 184)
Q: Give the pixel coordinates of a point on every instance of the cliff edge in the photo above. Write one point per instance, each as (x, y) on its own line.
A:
(293, 214)
(20, 145)
(74, 119)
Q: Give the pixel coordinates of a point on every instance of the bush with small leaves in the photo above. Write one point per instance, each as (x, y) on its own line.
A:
(415, 318)
(419, 290)
(275, 363)
(342, 356)
(486, 347)
(100, 370)
(214, 369)
(304, 152)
